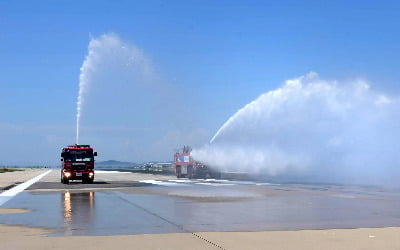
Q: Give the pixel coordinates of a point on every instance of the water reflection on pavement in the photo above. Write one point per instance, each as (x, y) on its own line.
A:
(198, 208)
(78, 210)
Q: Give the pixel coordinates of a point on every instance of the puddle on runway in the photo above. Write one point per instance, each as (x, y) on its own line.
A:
(79, 209)
(174, 210)
(84, 213)
(208, 193)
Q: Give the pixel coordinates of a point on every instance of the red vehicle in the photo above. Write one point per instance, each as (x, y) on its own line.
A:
(186, 166)
(77, 163)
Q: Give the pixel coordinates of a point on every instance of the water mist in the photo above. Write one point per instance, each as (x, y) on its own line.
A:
(124, 101)
(312, 129)
(108, 56)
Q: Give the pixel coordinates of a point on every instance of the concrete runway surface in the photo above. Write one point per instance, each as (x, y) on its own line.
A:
(134, 203)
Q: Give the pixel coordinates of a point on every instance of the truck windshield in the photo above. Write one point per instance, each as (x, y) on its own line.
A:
(78, 155)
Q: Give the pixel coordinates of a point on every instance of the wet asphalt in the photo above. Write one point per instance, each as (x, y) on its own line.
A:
(134, 203)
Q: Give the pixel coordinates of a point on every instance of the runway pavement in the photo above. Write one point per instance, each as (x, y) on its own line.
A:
(134, 203)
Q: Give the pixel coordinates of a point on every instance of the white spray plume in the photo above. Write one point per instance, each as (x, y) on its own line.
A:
(312, 128)
(111, 49)
(124, 101)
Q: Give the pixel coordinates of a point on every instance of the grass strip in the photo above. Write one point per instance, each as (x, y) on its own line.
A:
(5, 170)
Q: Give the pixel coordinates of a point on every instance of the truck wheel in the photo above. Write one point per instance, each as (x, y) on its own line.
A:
(193, 175)
(178, 172)
(65, 181)
(190, 172)
(87, 181)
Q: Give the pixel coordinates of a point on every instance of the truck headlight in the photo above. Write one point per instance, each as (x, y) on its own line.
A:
(67, 174)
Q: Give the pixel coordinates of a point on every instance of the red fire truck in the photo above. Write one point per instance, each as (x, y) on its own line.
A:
(77, 163)
(186, 166)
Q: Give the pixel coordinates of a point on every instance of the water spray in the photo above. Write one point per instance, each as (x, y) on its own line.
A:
(109, 56)
(312, 128)
(84, 80)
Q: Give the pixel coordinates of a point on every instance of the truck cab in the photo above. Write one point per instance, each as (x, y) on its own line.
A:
(186, 166)
(77, 163)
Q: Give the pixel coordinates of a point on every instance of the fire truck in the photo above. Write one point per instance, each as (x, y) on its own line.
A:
(186, 166)
(77, 163)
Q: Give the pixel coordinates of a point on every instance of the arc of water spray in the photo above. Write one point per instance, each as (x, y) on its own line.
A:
(314, 130)
(253, 105)
(227, 123)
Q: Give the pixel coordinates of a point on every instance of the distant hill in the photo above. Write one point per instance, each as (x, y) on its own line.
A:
(114, 163)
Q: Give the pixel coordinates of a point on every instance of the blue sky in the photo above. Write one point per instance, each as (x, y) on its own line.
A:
(222, 53)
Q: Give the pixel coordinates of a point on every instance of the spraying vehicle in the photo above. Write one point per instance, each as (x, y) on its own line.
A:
(77, 163)
(186, 166)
